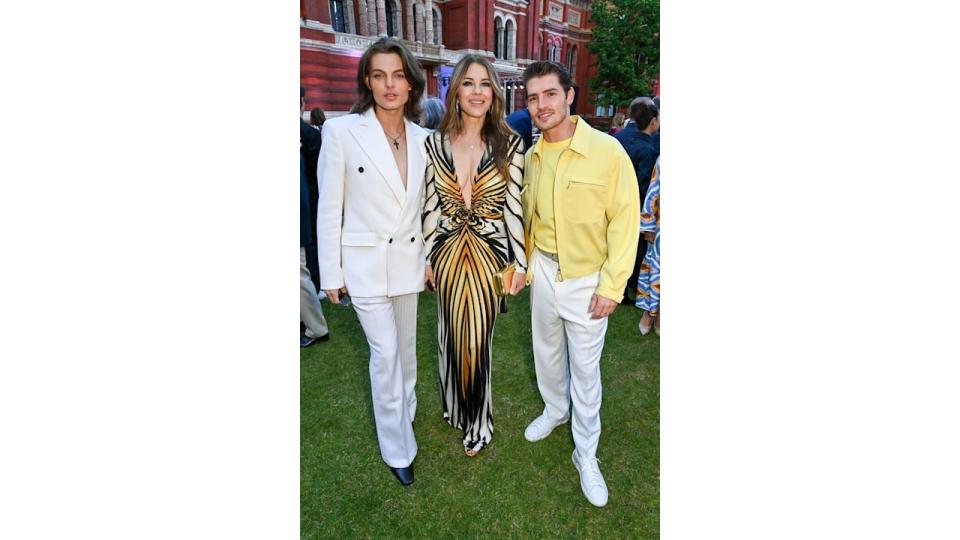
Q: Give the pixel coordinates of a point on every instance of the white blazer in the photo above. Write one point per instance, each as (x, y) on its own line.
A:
(369, 231)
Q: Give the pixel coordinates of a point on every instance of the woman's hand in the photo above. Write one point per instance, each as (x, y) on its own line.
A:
(519, 282)
(335, 295)
(428, 278)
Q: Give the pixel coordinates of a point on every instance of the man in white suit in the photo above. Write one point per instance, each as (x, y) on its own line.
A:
(370, 172)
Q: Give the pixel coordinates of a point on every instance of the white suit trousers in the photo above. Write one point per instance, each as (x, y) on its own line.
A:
(390, 324)
(566, 349)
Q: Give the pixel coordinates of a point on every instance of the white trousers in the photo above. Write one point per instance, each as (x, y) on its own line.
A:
(311, 312)
(566, 350)
(390, 324)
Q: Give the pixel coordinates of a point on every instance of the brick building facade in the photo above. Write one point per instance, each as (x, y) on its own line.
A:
(511, 33)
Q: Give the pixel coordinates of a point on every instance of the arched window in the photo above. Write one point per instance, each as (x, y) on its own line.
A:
(497, 37)
(508, 40)
(572, 62)
(437, 27)
(336, 15)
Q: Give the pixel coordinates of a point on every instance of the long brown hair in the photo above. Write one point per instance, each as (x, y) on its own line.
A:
(496, 133)
(411, 68)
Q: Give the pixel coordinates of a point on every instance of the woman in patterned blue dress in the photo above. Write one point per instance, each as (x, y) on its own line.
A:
(648, 282)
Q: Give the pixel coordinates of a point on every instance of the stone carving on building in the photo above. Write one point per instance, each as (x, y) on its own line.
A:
(356, 42)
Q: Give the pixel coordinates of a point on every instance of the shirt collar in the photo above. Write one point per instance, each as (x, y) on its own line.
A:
(581, 138)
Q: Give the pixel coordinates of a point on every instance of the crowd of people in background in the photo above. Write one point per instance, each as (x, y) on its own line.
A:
(640, 137)
(313, 325)
(408, 192)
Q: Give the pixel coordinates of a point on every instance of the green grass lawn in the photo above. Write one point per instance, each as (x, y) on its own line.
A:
(513, 488)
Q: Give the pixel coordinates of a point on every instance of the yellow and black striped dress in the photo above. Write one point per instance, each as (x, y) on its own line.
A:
(466, 246)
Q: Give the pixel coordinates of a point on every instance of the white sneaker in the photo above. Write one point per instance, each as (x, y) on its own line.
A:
(591, 481)
(540, 428)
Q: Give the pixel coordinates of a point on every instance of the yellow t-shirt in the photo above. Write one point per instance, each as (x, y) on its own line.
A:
(546, 231)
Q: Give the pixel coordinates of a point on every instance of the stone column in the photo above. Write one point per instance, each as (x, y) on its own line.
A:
(397, 19)
(408, 5)
(362, 22)
(348, 17)
(428, 20)
(418, 18)
(381, 18)
(371, 18)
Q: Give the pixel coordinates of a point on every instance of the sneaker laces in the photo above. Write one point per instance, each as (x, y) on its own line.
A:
(541, 422)
(591, 467)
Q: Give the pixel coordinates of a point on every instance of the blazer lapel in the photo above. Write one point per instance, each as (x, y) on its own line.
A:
(372, 142)
(416, 158)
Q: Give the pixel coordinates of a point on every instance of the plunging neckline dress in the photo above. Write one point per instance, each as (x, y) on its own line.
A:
(466, 246)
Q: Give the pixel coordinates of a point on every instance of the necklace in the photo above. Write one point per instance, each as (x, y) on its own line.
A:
(396, 140)
(472, 145)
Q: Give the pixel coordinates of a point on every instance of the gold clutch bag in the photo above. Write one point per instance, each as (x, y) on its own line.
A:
(503, 278)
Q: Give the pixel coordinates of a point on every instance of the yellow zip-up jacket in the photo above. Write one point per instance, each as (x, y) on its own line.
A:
(596, 207)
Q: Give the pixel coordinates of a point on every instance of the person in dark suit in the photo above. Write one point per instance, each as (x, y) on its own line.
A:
(636, 138)
(311, 312)
(310, 141)
(520, 122)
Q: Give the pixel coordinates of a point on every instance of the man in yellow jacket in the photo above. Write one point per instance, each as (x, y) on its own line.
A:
(581, 210)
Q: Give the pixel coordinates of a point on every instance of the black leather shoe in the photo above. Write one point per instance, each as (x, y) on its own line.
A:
(306, 341)
(403, 474)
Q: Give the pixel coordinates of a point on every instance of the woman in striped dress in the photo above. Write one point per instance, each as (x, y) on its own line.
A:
(472, 226)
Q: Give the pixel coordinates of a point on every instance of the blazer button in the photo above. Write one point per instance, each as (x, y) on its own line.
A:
(390, 241)
(360, 169)
(412, 238)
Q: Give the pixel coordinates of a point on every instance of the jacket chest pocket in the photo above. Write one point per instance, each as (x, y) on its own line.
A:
(359, 239)
(586, 200)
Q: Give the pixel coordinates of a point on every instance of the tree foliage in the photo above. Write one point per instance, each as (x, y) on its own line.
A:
(626, 42)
